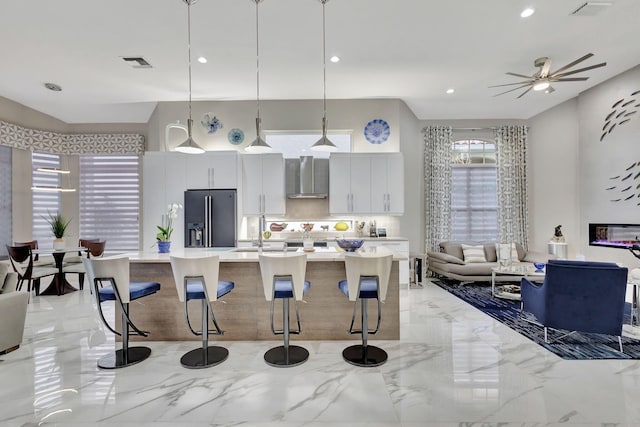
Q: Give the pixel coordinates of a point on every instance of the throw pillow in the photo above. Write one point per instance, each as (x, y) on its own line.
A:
(505, 248)
(473, 253)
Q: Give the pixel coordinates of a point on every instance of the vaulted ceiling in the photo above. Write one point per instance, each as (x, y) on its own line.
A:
(413, 50)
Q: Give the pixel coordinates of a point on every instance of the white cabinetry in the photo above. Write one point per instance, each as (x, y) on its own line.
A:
(366, 184)
(399, 247)
(164, 182)
(387, 184)
(167, 175)
(263, 184)
(212, 169)
(349, 184)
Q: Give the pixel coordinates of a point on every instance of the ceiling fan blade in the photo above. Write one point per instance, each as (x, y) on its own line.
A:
(571, 64)
(520, 75)
(511, 90)
(511, 84)
(579, 70)
(570, 79)
(544, 71)
(525, 92)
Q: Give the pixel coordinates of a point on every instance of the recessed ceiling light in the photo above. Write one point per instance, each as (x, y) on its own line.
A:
(450, 91)
(52, 86)
(202, 60)
(335, 59)
(527, 12)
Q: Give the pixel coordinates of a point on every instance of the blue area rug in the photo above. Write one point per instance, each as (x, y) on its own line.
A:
(577, 346)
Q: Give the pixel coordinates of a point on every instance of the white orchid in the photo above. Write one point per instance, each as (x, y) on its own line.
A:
(166, 229)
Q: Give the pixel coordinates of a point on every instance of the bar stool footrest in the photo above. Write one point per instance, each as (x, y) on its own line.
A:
(194, 359)
(115, 360)
(278, 357)
(358, 356)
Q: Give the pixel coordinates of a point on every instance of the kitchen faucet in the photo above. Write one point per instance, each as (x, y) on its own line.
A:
(261, 227)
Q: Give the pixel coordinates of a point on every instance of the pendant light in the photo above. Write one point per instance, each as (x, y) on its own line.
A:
(189, 145)
(60, 172)
(324, 144)
(258, 145)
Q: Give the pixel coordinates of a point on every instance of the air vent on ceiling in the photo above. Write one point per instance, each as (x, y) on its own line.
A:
(136, 61)
(591, 8)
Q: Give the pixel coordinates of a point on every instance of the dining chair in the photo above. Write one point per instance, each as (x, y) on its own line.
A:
(94, 248)
(22, 260)
(48, 262)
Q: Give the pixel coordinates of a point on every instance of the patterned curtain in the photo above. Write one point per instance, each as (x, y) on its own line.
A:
(511, 150)
(437, 184)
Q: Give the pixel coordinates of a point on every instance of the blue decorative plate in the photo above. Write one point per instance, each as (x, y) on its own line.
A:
(211, 123)
(377, 131)
(236, 136)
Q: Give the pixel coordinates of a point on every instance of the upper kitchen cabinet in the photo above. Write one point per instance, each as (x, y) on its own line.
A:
(212, 169)
(387, 184)
(366, 184)
(349, 186)
(263, 184)
(163, 182)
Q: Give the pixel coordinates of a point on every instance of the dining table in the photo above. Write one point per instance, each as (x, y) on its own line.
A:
(59, 285)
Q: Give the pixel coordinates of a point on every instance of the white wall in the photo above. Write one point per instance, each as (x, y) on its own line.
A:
(553, 177)
(411, 224)
(305, 115)
(600, 161)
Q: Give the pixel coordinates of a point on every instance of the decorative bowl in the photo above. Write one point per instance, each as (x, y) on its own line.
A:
(350, 245)
(539, 265)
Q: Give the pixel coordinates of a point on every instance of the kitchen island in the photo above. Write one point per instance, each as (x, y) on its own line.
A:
(244, 315)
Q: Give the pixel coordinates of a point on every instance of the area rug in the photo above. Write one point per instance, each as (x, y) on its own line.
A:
(577, 346)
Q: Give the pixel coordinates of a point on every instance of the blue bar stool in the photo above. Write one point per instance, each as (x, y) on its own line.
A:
(116, 272)
(197, 279)
(283, 278)
(367, 278)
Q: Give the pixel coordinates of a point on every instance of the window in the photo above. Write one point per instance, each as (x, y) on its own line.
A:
(294, 145)
(110, 200)
(44, 202)
(5, 199)
(474, 198)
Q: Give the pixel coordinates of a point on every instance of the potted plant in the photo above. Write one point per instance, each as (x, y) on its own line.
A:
(166, 229)
(58, 224)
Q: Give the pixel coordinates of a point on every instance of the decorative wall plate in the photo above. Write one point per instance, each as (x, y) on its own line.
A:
(211, 123)
(377, 131)
(236, 136)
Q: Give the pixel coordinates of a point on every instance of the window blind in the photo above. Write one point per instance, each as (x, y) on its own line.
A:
(5, 199)
(474, 203)
(110, 200)
(44, 202)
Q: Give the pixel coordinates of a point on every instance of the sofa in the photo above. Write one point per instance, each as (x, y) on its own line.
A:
(450, 261)
(13, 310)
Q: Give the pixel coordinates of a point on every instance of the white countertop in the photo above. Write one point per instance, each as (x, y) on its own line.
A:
(229, 254)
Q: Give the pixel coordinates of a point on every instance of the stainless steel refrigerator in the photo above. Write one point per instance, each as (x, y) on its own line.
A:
(209, 218)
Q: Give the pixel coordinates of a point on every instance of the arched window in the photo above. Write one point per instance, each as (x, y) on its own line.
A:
(474, 200)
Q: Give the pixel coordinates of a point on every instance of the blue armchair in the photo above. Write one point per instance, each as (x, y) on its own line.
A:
(578, 296)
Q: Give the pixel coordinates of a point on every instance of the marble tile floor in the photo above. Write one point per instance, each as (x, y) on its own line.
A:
(453, 366)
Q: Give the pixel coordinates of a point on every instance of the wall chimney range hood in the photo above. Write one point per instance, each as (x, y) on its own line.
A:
(307, 178)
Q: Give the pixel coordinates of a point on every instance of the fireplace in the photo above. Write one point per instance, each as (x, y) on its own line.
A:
(614, 235)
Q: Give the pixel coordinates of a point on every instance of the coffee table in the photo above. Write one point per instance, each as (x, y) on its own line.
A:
(523, 269)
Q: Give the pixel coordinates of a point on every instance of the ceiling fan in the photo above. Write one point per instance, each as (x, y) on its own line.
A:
(541, 81)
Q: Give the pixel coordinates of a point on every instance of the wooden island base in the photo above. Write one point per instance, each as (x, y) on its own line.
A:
(244, 315)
